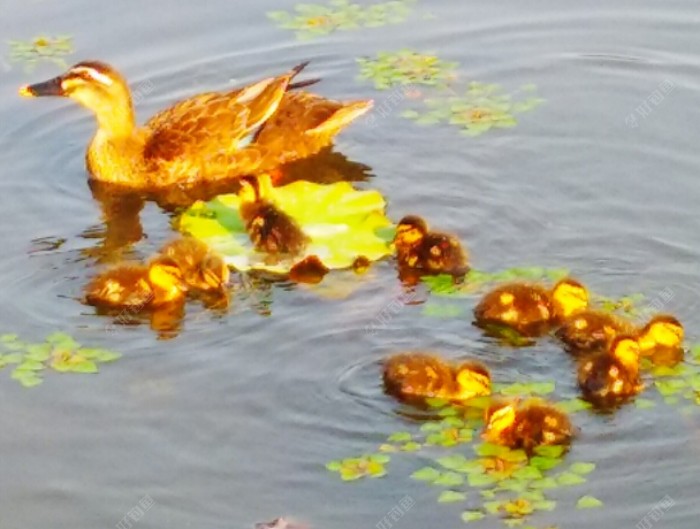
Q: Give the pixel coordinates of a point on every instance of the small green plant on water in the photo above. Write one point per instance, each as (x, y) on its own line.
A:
(41, 49)
(406, 67)
(59, 352)
(481, 108)
(354, 468)
(310, 21)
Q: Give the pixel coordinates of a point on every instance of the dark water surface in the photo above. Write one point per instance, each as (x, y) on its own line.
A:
(232, 422)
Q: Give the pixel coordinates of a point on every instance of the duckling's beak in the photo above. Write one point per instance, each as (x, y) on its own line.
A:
(52, 87)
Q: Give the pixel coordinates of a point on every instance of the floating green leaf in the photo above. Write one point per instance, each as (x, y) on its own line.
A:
(449, 479)
(481, 108)
(315, 20)
(59, 352)
(426, 474)
(472, 516)
(451, 496)
(41, 49)
(400, 437)
(569, 478)
(582, 468)
(341, 222)
(588, 502)
(406, 67)
(354, 468)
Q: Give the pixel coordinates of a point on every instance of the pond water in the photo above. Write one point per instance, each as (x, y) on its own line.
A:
(232, 421)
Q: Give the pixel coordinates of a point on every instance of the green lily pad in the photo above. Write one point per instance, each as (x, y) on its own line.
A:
(341, 222)
(400, 437)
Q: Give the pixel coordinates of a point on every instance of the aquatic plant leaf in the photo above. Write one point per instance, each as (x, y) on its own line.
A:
(406, 67)
(426, 474)
(411, 446)
(544, 463)
(341, 222)
(449, 479)
(668, 387)
(452, 462)
(480, 109)
(41, 49)
(588, 502)
(481, 480)
(573, 405)
(400, 437)
(644, 404)
(28, 379)
(98, 354)
(528, 473)
(30, 365)
(431, 426)
(545, 483)
(314, 20)
(451, 496)
(569, 478)
(490, 450)
(472, 516)
(545, 505)
(582, 468)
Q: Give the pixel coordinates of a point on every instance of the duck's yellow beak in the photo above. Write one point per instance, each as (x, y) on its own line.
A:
(52, 87)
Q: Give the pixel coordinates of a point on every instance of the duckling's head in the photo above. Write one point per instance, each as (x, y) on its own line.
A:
(499, 418)
(96, 86)
(625, 349)
(410, 231)
(250, 189)
(166, 280)
(663, 330)
(568, 297)
(473, 380)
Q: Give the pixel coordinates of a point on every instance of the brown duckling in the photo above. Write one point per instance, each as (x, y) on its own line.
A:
(428, 252)
(593, 330)
(138, 287)
(202, 269)
(270, 229)
(608, 378)
(413, 377)
(530, 309)
(526, 425)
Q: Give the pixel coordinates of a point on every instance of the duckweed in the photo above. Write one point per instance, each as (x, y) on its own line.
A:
(59, 352)
(311, 21)
(354, 468)
(406, 67)
(481, 108)
(41, 49)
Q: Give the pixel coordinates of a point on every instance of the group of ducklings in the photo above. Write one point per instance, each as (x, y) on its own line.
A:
(608, 348)
(182, 268)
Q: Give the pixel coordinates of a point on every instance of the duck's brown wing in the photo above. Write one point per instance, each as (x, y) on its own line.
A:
(304, 124)
(204, 127)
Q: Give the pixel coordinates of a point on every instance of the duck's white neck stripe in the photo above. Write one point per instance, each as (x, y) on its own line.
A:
(97, 76)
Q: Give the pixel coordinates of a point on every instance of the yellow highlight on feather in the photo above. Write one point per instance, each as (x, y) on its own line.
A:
(25, 91)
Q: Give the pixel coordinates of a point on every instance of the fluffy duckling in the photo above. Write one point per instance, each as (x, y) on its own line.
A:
(413, 377)
(593, 330)
(610, 377)
(270, 229)
(662, 340)
(530, 309)
(138, 287)
(526, 425)
(429, 252)
(202, 269)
